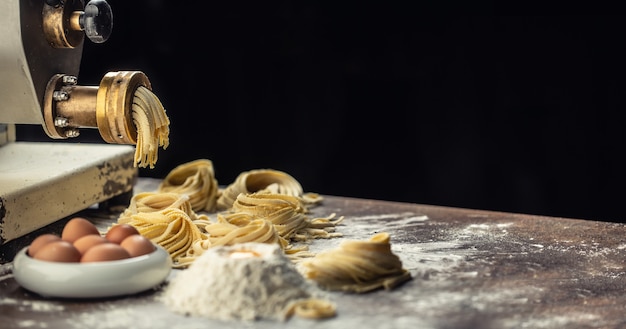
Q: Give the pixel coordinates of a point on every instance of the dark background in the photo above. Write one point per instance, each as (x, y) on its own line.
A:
(457, 107)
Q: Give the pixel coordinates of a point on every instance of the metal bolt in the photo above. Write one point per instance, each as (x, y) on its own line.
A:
(60, 95)
(61, 122)
(72, 133)
(70, 80)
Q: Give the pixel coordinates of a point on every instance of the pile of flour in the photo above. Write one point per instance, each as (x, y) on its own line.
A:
(248, 281)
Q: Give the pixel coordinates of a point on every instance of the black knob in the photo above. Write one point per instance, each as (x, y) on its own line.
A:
(97, 21)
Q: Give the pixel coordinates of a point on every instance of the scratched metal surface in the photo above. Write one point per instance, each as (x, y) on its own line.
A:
(470, 269)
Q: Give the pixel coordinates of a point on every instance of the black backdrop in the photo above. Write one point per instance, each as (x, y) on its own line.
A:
(512, 113)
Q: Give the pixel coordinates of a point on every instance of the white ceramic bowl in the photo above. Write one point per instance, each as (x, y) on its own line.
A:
(92, 280)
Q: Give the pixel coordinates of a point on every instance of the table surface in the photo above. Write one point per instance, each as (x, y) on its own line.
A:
(470, 269)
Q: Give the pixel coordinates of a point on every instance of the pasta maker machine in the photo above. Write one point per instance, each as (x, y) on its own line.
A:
(41, 45)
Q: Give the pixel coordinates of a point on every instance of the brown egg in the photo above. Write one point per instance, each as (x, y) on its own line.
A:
(85, 242)
(137, 245)
(58, 251)
(119, 232)
(104, 252)
(40, 241)
(76, 228)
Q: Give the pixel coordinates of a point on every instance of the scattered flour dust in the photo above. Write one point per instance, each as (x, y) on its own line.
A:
(249, 281)
(33, 305)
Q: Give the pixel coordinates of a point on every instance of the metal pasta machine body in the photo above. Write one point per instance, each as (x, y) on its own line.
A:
(41, 45)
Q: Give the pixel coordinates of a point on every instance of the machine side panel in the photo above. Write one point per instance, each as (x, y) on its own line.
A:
(27, 61)
(18, 99)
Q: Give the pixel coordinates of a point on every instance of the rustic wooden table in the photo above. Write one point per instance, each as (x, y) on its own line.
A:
(470, 269)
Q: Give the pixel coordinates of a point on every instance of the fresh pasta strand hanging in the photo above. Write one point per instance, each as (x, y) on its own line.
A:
(152, 126)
